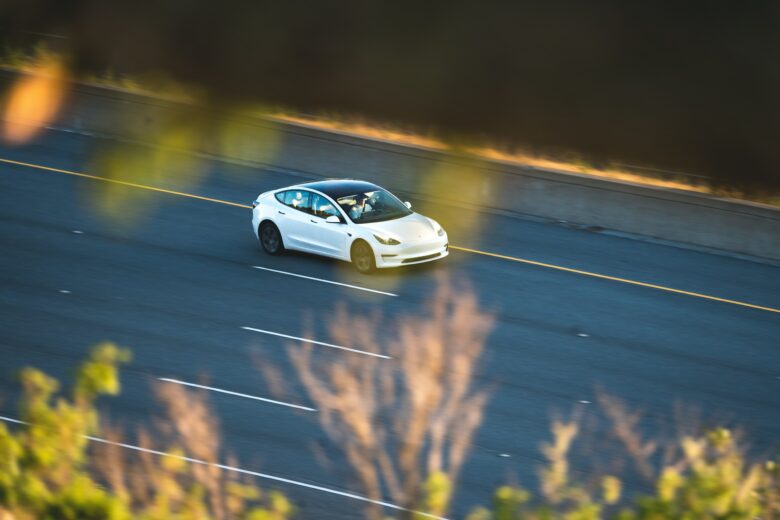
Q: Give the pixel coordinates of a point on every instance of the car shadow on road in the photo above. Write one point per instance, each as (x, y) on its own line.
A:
(314, 265)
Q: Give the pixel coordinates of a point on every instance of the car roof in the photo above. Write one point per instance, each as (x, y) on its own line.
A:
(336, 188)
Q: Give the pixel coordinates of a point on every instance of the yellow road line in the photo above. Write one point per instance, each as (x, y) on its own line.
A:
(615, 279)
(464, 249)
(123, 183)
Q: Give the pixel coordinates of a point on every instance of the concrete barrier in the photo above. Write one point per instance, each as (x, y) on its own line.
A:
(679, 216)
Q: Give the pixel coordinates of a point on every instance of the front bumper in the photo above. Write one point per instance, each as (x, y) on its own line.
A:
(411, 253)
(256, 222)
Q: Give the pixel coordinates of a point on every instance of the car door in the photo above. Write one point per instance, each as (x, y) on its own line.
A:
(294, 218)
(324, 237)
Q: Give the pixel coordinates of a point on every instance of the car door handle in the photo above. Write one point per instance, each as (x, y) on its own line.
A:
(281, 212)
(312, 221)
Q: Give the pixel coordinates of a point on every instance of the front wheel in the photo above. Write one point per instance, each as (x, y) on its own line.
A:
(363, 257)
(271, 239)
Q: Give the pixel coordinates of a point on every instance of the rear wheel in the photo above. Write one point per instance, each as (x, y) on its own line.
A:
(271, 239)
(363, 257)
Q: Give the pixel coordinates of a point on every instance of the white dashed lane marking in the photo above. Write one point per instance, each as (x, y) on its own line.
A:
(237, 394)
(314, 342)
(235, 469)
(357, 287)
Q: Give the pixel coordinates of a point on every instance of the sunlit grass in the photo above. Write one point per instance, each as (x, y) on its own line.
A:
(544, 163)
(364, 129)
(486, 152)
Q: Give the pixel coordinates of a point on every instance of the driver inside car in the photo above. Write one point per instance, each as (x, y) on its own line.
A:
(361, 206)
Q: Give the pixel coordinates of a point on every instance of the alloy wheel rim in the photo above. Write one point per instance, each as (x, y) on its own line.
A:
(269, 239)
(362, 259)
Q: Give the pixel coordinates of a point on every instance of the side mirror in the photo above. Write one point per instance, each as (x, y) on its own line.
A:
(333, 219)
(408, 204)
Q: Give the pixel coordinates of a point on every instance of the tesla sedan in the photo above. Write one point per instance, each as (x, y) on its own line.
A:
(347, 219)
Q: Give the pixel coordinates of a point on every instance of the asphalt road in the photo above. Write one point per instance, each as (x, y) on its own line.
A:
(178, 285)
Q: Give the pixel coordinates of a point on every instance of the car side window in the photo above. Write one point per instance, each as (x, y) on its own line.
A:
(322, 207)
(297, 199)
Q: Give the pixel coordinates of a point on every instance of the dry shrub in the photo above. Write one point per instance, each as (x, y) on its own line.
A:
(625, 426)
(197, 431)
(705, 475)
(406, 422)
(177, 472)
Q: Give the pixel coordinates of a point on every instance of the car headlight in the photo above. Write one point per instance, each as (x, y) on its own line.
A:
(387, 240)
(436, 227)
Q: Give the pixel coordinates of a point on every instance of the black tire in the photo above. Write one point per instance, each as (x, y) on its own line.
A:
(271, 239)
(363, 257)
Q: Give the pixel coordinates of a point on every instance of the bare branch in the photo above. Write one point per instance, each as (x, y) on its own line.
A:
(399, 422)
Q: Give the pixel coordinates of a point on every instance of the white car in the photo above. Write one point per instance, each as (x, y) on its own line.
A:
(347, 219)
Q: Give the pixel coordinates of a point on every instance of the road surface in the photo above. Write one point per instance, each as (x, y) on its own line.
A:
(179, 284)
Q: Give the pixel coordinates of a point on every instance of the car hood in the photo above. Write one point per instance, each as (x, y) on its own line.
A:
(411, 228)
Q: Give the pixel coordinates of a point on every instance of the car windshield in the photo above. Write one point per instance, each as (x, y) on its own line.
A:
(373, 206)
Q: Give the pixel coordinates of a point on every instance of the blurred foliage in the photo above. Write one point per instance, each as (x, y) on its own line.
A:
(43, 464)
(163, 145)
(243, 131)
(34, 100)
(404, 427)
(712, 479)
(689, 86)
(166, 165)
(225, 132)
(47, 470)
(28, 58)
